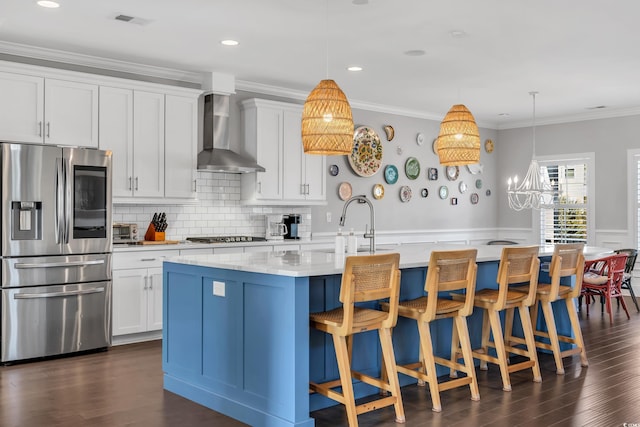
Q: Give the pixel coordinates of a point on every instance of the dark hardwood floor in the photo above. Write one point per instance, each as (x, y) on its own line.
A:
(123, 387)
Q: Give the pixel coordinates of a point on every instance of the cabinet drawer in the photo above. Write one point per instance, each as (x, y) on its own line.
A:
(142, 259)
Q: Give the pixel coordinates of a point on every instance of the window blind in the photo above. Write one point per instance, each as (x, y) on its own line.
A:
(565, 219)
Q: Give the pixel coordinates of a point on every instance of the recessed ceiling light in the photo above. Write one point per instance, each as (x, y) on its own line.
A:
(229, 42)
(48, 3)
(354, 68)
(457, 34)
(415, 52)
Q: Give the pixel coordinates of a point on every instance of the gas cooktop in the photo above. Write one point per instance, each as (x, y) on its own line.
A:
(225, 239)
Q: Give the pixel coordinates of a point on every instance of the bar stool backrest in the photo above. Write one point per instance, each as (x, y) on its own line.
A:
(451, 271)
(567, 260)
(518, 265)
(370, 278)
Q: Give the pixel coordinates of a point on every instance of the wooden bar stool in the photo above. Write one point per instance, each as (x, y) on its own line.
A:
(567, 261)
(448, 271)
(519, 265)
(365, 278)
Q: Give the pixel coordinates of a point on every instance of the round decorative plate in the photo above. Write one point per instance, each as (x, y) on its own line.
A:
(344, 190)
(405, 193)
(488, 192)
(366, 157)
(452, 172)
(478, 184)
(488, 146)
(432, 174)
(443, 192)
(474, 198)
(391, 174)
(475, 168)
(378, 191)
(462, 187)
(412, 168)
(334, 170)
(388, 129)
(434, 146)
(424, 192)
(420, 138)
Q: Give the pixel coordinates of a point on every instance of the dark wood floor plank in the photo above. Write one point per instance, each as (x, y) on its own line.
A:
(123, 387)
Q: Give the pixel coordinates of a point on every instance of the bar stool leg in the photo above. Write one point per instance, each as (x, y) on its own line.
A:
(498, 340)
(429, 364)
(486, 331)
(547, 312)
(455, 349)
(342, 356)
(530, 340)
(392, 374)
(462, 330)
(577, 332)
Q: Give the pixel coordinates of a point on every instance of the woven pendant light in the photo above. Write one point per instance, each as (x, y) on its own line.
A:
(458, 143)
(327, 123)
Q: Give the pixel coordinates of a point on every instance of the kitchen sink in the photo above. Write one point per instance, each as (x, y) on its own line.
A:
(363, 249)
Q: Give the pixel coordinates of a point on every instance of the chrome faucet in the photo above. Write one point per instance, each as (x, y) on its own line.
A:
(371, 234)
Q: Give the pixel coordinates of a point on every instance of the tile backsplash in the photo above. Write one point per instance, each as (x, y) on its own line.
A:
(217, 212)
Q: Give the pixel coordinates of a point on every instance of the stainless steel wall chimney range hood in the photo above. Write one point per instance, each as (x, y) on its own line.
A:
(216, 155)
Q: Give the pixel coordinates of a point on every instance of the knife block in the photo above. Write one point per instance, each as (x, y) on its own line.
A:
(152, 235)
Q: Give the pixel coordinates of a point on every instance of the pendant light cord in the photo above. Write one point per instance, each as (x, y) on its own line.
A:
(533, 124)
(327, 37)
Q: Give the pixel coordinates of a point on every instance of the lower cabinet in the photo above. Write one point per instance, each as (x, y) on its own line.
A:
(137, 292)
(137, 300)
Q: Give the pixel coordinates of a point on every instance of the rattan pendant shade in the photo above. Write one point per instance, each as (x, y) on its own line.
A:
(327, 123)
(458, 143)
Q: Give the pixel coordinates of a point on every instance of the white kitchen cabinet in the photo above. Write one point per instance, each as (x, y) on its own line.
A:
(181, 136)
(137, 291)
(272, 133)
(21, 108)
(38, 110)
(70, 113)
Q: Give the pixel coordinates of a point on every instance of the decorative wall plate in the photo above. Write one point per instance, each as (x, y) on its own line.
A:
(344, 190)
(474, 198)
(462, 187)
(478, 184)
(434, 146)
(443, 192)
(432, 174)
(405, 193)
(452, 172)
(391, 174)
(378, 191)
(412, 168)
(388, 129)
(420, 138)
(334, 170)
(488, 192)
(424, 192)
(488, 146)
(366, 157)
(475, 168)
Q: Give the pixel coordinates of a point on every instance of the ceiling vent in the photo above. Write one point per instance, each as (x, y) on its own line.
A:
(132, 19)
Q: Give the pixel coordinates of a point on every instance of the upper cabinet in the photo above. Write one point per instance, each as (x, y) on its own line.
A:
(180, 141)
(272, 135)
(41, 110)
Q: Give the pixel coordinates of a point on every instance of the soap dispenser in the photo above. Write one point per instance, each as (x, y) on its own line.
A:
(352, 243)
(339, 242)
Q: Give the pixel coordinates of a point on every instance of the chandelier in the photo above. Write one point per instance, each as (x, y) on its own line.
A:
(327, 122)
(535, 190)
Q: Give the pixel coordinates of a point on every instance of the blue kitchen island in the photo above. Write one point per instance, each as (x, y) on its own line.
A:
(236, 334)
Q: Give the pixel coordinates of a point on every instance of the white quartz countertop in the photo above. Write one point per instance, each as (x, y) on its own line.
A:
(196, 245)
(324, 262)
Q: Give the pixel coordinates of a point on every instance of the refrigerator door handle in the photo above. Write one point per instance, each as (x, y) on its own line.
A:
(59, 188)
(58, 264)
(68, 199)
(59, 294)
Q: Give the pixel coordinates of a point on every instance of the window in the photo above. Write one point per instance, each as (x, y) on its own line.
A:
(634, 193)
(569, 217)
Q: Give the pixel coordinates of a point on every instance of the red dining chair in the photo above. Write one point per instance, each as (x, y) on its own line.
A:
(603, 277)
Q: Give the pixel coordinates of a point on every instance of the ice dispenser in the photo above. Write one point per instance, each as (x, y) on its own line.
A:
(26, 220)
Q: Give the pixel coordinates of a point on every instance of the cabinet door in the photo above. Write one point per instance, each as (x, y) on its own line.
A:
(129, 301)
(148, 144)
(269, 154)
(180, 146)
(116, 134)
(315, 176)
(295, 187)
(71, 113)
(21, 108)
(154, 299)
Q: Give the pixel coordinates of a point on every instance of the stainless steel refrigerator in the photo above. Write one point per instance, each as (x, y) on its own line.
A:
(56, 239)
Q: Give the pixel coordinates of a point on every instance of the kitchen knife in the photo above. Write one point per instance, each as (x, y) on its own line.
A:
(154, 221)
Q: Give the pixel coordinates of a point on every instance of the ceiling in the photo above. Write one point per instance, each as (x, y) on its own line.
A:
(577, 54)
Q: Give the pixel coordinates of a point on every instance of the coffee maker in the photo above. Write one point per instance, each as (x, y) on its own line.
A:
(292, 221)
(275, 229)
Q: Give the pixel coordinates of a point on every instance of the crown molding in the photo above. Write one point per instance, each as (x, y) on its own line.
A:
(592, 115)
(45, 54)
